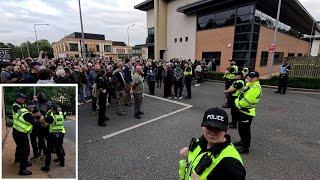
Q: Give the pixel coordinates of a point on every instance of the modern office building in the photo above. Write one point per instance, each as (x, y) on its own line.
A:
(241, 30)
(96, 46)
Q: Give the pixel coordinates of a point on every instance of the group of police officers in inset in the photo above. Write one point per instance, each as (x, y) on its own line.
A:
(213, 156)
(27, 118)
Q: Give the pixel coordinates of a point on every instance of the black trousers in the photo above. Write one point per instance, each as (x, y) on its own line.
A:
(244, 128)
(94, 104)
(55, 143)
(167, 89)
(188, 86)
(178, 86)
(102, 108)
(282, 85)
(22, 149)
(37, 141)
(228, 83)
(234, 111)
(152, 86)
(137, 102)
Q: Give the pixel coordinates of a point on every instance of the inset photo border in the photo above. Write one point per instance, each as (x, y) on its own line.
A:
(46, 123)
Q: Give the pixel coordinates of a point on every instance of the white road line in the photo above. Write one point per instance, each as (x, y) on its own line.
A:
(168, 100)
(144, 123)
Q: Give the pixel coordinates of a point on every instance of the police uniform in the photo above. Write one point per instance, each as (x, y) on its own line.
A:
(23, 122)
(188, 79)
(246, 102)
(230, 76)
(245, 71)
(220, 162)
(238, 85)
(55, 139)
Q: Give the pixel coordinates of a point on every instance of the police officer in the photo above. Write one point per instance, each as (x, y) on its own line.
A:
(229, 76)
(23, 121)
(188, 78)
(55, 122)
(212, 156)
(233, 92)
(283, 77)
(245, 71)
(102, 83)
(246, 102)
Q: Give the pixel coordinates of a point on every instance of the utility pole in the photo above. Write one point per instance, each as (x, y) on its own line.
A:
(82, 37)
(274, 40)
(128, 39)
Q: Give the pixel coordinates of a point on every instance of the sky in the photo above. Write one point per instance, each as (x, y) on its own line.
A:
(108, 17)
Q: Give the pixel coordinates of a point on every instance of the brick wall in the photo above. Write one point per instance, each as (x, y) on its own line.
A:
(216, 40)
(285, 43)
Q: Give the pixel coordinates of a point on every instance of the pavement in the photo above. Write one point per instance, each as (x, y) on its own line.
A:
(10, 169)
(285, 137)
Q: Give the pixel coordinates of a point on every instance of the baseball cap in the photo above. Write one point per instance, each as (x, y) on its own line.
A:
(20, 95)
(215, 117)
(253, 74)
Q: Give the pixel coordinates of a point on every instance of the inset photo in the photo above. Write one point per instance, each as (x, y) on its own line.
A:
(39, 131)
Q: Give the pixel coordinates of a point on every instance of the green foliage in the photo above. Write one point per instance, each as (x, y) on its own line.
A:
(215, 76)
(69, 104)
(18, 51)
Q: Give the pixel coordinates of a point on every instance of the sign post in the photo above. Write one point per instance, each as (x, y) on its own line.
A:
(5, 53)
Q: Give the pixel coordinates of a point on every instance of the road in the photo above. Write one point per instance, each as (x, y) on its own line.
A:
(285, 137)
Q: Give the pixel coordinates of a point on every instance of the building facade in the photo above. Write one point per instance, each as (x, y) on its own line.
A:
(222, 30)
(95, 46)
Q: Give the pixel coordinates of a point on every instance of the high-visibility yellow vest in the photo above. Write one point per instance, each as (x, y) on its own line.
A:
(248, 98)
(19, 123)
(57, 125)
(237, 92)
(233, 74)
(187, 72)
(16, 104)
(195, 156)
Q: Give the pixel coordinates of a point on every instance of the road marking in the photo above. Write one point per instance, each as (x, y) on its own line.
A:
(152, 120)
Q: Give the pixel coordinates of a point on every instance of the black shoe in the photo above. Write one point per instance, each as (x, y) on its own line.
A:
(24, 173)
(239, 143)
(141, 112)
(62, 163)
(243, 150)
(45, 168)
(232, 126)
(35, 157)
(137, 116)
(29, 164)
(102, 124)
(226, 106)
(276, 92)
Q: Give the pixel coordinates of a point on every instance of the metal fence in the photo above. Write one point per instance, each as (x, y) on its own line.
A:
(305, 67)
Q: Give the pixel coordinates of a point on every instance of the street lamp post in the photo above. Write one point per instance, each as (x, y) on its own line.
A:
(82, 36)
(128, 39)
(311, 37)
(274, 40)
(35, 32)
(28, 47)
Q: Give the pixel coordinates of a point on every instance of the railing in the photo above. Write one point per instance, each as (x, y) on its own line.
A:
(305, 67)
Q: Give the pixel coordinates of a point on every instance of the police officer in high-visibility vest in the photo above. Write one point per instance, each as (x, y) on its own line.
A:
(229, 77)
(212, 156)
(234, 91)
(245, 71)
(56, 128)
(187, 72)
(23, 121)
(246, 103)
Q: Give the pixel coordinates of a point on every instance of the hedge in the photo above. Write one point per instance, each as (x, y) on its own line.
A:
(294, 82)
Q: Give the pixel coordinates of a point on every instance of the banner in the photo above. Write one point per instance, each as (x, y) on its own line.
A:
(5, 53)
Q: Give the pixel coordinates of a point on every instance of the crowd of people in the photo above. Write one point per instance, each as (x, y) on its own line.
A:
(43, 122)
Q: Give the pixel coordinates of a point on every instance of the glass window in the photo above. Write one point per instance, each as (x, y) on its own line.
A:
(245, 10)
(244, 19)
(98, 48)
(254, 46)
(242, 37)
(257, 28)
(290, 54)
(241, 55)
(107, 48)
(220, 23)
(151, 31)
(243, 28)
(299, 54)
(225, 14)
(241, 46)
(73, 47)
(264, 58)
(205, 18)
(255, 37)
(278, 57)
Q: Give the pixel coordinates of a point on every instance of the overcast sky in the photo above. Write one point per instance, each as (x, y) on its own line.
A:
(108, 17)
